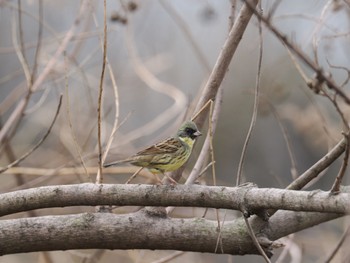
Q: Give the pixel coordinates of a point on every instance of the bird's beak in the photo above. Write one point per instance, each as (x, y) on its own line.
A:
(197, 133)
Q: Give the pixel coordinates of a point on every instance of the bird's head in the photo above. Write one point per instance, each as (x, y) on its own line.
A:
(189, 130)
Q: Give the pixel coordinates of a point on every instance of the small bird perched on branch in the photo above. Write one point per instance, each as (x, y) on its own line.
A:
(168, 155)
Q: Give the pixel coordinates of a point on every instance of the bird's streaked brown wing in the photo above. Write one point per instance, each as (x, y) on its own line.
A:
(170, 145)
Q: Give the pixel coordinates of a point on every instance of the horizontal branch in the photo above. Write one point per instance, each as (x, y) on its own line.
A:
(143, 231)
(237, 198)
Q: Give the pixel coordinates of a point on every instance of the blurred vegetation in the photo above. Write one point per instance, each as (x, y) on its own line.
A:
(178, 42)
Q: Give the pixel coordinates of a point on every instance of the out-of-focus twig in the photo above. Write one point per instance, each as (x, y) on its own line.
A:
(21, 105)
(321, 75)
(184, 28)
(220, 68)
(249, 133)
(38, 143)
(338, 246)
(223, 61)
(255, 110)
(75, 141)
(157, 85)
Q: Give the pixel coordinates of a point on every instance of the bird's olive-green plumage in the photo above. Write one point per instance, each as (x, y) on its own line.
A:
(168, 155)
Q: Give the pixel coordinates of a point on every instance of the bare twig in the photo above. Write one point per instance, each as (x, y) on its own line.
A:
(318, 167)
(293, 169)
(336, 185)
(255, 110)
(220, 68)
(134, 175)
(39, 142)
(99, 177)
(157, 85)
(249, 133)
(338, 246)
(198, 169)
(184, 28)
(223, 61)
(20, 107)
(255, 240)
(321, 76)
(69, 117)
(20, 50)
(38, 45)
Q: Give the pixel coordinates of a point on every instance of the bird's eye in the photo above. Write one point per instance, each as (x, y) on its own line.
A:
(189, 130)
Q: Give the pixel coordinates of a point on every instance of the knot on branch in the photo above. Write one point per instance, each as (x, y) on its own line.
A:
(316, 82)
(244, 204)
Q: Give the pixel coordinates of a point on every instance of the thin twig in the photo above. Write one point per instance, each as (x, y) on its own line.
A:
(116, 103)
(21, 105)
(38, 45)
(134, 175)
(321, 76)
(24, 156)
(250, 131)
(336, 185)
(198, 169)
(99, 177)
(21, 50)
(294, 170)
(338, 246)
(223, 61)
(157, 85)
(255, 110)
(69, 117)
(255, 240)
(212, 157)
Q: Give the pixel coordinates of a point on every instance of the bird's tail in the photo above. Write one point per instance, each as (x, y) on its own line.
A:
(116, 163)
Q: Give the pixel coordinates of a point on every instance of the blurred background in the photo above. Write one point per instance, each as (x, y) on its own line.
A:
(160, 54)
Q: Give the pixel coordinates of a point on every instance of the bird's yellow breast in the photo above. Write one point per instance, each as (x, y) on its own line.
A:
(188, 141)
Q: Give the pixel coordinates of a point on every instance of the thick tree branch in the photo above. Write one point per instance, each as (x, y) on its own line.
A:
(237, 198)
(142, 231)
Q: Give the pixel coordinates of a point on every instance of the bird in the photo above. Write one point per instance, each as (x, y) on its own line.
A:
(168, 155)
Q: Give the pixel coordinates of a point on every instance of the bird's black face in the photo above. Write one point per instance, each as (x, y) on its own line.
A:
(189, 130)
(192, 133)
